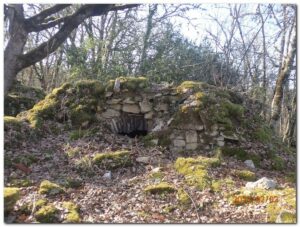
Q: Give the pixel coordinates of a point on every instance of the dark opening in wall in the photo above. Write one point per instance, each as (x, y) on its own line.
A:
(132, 125)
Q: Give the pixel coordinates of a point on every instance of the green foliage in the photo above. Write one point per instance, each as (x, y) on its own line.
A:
(263, 134)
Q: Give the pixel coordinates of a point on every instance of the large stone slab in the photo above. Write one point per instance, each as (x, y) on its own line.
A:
(191, 136)
(179, 143)
(191, 146)
(110, 113)
(145, 106)
(131, 108)
(263, 183)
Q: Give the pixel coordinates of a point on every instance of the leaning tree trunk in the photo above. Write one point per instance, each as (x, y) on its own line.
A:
(283, 75)
(291, 123)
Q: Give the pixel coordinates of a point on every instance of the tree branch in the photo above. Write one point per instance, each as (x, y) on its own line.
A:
(70, 23)
(39, 18)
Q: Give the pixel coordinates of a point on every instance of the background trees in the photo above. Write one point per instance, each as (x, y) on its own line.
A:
(251, 48)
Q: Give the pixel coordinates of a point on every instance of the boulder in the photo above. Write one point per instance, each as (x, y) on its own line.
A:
(148, 115)
(263, 183)
(144, 159)
(250, 164)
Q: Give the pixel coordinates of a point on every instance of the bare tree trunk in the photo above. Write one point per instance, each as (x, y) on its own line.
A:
(283, 75)
(15, 45)
(291, 122)
(152, 11)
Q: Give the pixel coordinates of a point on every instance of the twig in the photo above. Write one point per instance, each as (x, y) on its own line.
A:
(194, 204)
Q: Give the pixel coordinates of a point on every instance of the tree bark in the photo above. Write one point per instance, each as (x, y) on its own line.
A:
(291, 123)
(283, 75)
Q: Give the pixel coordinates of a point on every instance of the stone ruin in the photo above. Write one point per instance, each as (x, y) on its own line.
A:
(191, 116)
(171, 116)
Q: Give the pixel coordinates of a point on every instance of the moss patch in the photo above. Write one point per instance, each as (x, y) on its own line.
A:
(72, 212)
(112, 160)
(240, 154)
(160, 188)
(11, 196)
(245, 175)
(46, 214)
(130, 83)
(194, 170)
(183, 197)
(49, 188)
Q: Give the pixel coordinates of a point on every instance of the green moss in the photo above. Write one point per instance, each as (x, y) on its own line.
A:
(286, 200)
(77, 134)
(73, 183)
(160, 188)
(278, 163)
(85, 165)
(291, 177)
(12, 122)
(40, 203)
(112, 160)
(262, 134)
(245, 175)
(81, 115)
(90, 87)
(287, 217)
(238, 152)
(183, 197)
(130, 83)
(157, 175)
(194, 170)
(11, 196)
(217, 185)
(73, 214)
(49, 188)
(73, 152)
(193, 85)
(234, 110)
(46, 214)
(20, 183)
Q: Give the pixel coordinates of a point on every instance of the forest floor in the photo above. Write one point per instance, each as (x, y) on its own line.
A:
(122, 198)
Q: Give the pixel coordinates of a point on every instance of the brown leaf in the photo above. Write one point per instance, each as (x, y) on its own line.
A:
(22, 167)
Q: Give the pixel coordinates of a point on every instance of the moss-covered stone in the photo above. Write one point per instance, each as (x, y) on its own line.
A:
(49, 188)
(192, 85)
(160, 188)
(72, 212)
(47, 214)
(112, 160)
(21, 98)
(129, 83)
(11, 196)
(245, 175)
